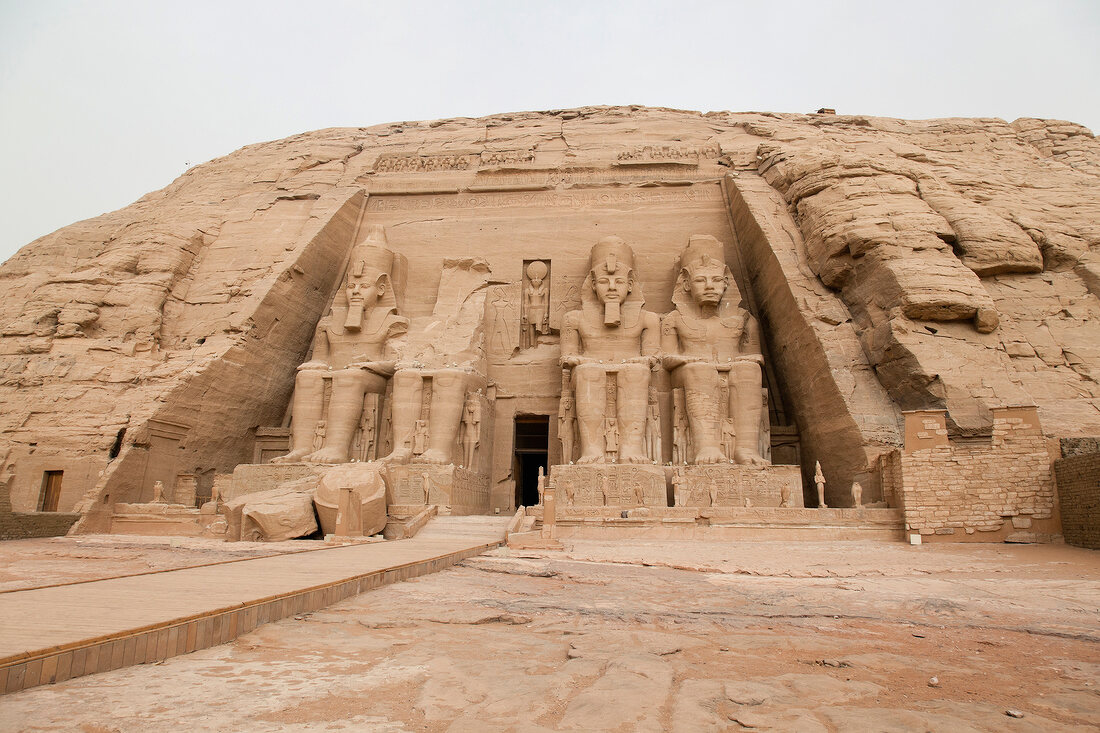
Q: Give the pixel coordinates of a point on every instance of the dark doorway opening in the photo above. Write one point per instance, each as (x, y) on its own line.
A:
(51, 491)
(532, 439)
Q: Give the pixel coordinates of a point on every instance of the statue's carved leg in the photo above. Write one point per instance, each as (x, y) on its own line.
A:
(408, 393)
(746, 405)
(344, 410)
(590, 388)
(633, 398)
(700, 383)
(448, 398)
(309, 397)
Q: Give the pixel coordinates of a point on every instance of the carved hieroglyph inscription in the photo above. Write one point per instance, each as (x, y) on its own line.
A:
(421, 484)
(699, 192)
(730, 485)
(610, 485)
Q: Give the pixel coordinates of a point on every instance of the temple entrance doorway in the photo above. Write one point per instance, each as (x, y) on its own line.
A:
(532, 439)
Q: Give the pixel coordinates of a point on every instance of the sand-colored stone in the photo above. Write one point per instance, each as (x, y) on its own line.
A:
(275, 515)
(367, 513)
(892, 265)
(662, 636)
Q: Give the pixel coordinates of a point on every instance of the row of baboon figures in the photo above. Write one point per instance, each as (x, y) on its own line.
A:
(610, 346)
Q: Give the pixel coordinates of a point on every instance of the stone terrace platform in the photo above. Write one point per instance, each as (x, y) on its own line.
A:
(57, 632)
(722, 524)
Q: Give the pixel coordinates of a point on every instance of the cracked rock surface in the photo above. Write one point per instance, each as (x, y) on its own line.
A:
(900, 264)
(647, 636)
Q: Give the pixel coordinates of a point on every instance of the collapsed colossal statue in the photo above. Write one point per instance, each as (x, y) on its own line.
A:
(611, 339)
(711, 347)
(355, 346)
(359, 347)
(432, 440)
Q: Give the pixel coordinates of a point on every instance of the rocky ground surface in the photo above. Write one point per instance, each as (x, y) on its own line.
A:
(648, 636)
(55, 560)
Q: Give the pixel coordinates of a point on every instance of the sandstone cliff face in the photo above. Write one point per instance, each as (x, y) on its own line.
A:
(894, 265)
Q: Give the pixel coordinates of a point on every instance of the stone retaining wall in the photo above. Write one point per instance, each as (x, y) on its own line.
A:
(993, 489)
(1078, 478)
(24, 525)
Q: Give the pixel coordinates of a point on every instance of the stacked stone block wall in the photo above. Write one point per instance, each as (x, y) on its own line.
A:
(1078, 478)
(24, 525)
(991, 490)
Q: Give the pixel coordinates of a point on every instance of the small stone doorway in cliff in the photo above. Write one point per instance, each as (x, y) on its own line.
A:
(532, 440)
(51, 491)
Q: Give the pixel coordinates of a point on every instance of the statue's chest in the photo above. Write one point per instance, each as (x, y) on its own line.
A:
(597, 333)
(711, 338)
(355, 338)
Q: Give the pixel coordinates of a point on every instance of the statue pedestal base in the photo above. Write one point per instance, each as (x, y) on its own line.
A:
(729, 485)
(454, 489)
(610, 484)
(251, 478)
(157, 518)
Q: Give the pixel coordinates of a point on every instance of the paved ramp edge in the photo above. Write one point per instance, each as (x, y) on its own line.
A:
(157, 642)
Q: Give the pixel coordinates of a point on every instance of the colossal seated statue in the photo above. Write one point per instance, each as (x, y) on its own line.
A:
(611, 339)
(711, 347)
(355, 347)
(363, 344)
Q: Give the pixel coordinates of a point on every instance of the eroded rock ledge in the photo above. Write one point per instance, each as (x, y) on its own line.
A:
(893, 265)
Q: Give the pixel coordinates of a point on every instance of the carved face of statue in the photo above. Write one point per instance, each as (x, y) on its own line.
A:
(707, 283)
(364, 290)
(612, 287)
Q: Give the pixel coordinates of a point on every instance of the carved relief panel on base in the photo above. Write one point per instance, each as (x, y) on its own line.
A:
(610, 485)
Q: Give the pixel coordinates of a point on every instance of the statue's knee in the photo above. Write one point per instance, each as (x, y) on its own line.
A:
(587, 373)
(406, 378)
(634, 373)
(696, 373)
(351, 378)
(448, 378)
(745, 371)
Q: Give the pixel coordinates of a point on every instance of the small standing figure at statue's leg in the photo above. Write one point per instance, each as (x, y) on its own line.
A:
(611, 439)
(679, 487)
(819, 479)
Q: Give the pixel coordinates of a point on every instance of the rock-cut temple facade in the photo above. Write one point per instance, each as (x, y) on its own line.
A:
(616, 321)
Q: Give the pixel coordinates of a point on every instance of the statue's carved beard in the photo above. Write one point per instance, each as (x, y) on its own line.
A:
(355, 314)
(611, 313)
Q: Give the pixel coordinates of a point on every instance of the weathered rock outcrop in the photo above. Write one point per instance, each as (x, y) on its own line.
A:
(893, 265)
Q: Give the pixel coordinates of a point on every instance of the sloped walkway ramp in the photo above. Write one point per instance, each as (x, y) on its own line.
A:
(59, 632)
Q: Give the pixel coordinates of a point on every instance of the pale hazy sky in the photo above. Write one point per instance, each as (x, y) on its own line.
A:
(103, 101)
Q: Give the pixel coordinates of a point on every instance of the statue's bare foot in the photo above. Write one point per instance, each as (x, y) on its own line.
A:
(711, 454)
(633, 457)
(294, 456)
(748, 457)
(434, 455)
(398, 456)
(590, 458)
(327, 455)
